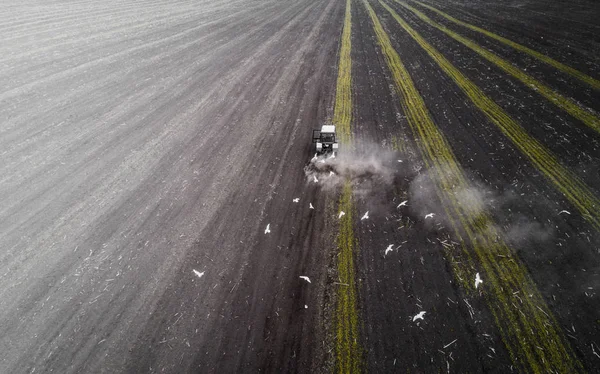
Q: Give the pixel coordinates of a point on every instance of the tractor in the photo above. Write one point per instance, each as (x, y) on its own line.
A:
(325, 139)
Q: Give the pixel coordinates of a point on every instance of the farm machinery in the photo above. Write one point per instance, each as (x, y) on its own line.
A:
(325, 140)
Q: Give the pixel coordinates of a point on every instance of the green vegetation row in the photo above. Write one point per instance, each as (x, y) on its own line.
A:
(348, 352)
(530, 332)
(545, 59)
(575, 190)
(554, 97)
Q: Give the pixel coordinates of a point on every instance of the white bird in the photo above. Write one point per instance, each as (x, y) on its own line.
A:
(402, 204)
(268, 229)
(314, 158)
(399, 160)
(315, 179)
(198, 274)
(366, 216)
(296, 200)
(565, 211)
(430, 215)
(477, 280)
(305, 306)
(305, 278)
(331, 173)
(341, 214)
(419, 316)
(388, 249)
(310, 206)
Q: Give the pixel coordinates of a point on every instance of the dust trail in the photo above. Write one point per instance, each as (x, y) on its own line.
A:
(369, 167)
(476, 199)
(374, 171)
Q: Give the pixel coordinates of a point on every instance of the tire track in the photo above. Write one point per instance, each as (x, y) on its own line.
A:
(93, 34)
(114, 111)
(259, 77)
(105, 59)
(94, 81)
(105, 143)
(160, 13)
(28, 24)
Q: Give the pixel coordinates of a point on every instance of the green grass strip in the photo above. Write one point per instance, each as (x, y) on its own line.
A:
(528, 329)
(564, 103)
(342, 114)
(575, 190)
(348, 352)
(558, 65)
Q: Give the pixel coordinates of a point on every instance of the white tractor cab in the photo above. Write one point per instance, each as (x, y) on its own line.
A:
(325, 139)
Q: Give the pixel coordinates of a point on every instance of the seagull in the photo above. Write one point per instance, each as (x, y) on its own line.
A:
(430, 215)
(314, 158)
(341, 214)
(399, 160)
(388, 249)
(419, 316)
(315, 179)
(296, 200)
(402, 204)
(198, 274)
(331, 173)
(305, 278)
(268, 229)
(366, 216)
(310, 206)
(477, 280)
(565, 211)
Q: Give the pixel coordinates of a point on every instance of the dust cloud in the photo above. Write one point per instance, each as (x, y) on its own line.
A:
(475, 200)
(375, 173)
(369, 168)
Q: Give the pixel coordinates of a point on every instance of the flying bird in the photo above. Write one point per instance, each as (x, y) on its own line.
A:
(430, 215)
(402, 204)
(305, 278)
(331, 173)
(296, 200)
(315, 179)
(565, 211)
(198, 274)
(477, 280)
(310, 206)
(366, 216)
(419, 316)
(341, 214)
(388, 249)
(268, 229)
(314, 158)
